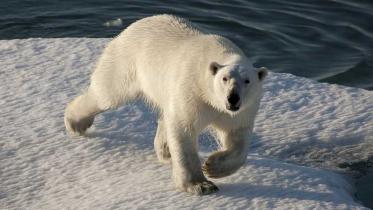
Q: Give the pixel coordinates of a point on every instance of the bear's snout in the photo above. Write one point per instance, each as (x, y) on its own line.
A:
(233, 102)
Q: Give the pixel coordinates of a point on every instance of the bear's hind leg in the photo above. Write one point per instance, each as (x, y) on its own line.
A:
(80, 113)
(160, 144)
(113, 84)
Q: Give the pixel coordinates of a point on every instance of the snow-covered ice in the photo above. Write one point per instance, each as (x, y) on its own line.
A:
(304, 130)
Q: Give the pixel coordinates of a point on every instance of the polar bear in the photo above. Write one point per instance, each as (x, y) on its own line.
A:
(194, 79)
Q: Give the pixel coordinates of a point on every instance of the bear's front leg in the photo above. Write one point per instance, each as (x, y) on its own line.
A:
(235, 146)
(186, 166)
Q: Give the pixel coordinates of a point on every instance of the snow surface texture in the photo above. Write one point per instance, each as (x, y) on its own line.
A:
(303, 128)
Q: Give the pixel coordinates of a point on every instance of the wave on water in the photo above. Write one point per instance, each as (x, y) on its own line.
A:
(329, 41)
(361, 71)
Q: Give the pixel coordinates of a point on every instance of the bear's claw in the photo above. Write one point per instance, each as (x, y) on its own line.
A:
(78, 127)
(203, 188)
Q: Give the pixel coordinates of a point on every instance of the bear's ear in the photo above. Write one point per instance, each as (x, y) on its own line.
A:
(214, 67)
(262, 73)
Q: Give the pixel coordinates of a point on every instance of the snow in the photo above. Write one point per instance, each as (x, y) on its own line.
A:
(304, 131)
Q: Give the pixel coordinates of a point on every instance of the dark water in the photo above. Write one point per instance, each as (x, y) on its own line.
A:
(364, 192)
(363, 173)
(330, 41)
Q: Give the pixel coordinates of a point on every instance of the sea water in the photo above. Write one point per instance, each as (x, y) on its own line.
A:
(329, 41)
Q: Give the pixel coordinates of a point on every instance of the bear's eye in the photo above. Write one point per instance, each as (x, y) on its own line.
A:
(247, 81)
(225, 79)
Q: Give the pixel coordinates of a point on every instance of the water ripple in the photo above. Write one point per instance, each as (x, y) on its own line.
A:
(330, 41)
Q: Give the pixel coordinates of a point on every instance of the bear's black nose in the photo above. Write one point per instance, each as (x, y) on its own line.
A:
(233, 99)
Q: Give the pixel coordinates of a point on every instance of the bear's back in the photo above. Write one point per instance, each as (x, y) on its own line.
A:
(161, 28)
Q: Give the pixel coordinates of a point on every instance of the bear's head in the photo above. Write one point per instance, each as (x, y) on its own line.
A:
(235, 86)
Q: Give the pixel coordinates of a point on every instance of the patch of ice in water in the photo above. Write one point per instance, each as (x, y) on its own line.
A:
(116, 22)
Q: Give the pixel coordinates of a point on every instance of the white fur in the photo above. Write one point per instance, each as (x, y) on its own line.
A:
(168, 62)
